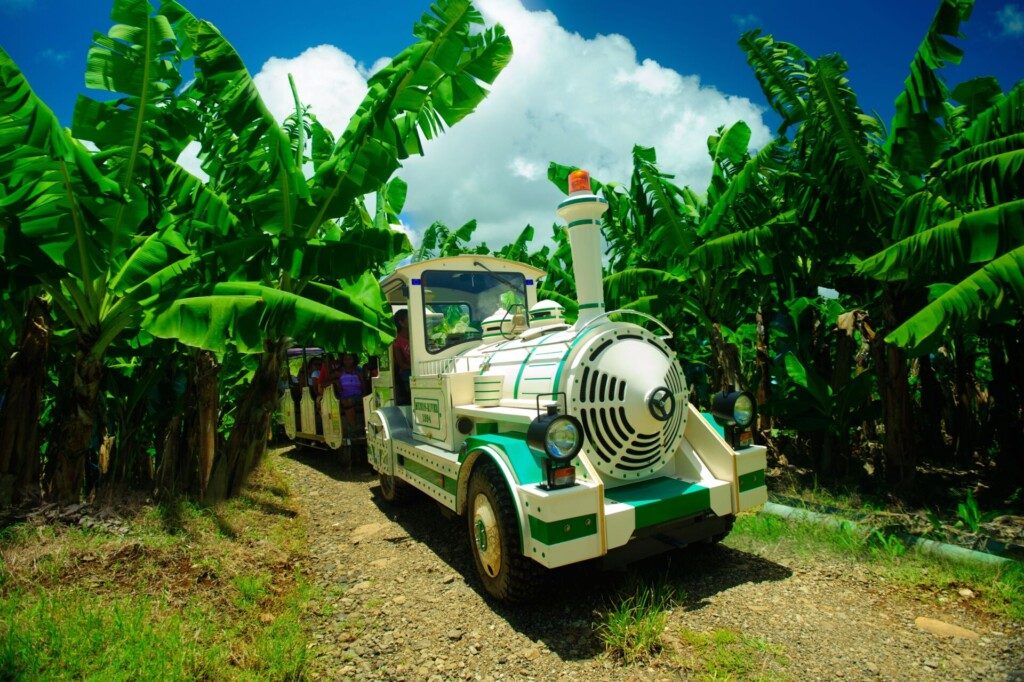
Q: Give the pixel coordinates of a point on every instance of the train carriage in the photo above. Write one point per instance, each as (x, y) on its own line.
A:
(317, 418)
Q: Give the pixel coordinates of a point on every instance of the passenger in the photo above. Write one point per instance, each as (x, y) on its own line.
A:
(314, 371)
(328, 375)
(403, 359)
(350, 388)
(298, 381)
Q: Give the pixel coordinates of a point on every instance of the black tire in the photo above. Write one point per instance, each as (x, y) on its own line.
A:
(513, 577)
(393, 490)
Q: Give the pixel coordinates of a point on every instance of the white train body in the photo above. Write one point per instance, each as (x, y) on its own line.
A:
(652, 472)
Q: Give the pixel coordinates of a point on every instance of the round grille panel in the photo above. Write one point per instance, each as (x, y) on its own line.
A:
(611, 380)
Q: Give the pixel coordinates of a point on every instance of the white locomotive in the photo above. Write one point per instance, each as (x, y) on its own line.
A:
(558, 443)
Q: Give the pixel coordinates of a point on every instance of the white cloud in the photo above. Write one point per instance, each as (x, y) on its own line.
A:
(745, 21)
(531, 170)
(562, 98)
(327, 79)
(1011, 19)
(407, 231)
(55, 56)
(189, 160)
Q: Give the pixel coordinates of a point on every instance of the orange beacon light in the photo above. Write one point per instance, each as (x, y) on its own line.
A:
(579, 181)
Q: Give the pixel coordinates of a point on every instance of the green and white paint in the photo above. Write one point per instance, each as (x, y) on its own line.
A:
(649, 459)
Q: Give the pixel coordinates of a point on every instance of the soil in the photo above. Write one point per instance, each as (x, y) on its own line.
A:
(399, 600)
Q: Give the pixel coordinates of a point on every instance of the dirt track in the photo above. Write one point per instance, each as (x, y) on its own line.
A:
(399, 600)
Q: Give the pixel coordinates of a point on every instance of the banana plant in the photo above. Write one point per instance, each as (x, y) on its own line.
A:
(976, 235)
(440, 241)
(87, 221)
(298, 273)
(654, 227)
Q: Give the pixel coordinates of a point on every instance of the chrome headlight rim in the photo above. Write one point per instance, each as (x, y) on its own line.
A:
(543, 429)
(734, 408)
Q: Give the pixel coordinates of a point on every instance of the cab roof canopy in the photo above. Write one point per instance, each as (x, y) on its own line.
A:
(395, 286)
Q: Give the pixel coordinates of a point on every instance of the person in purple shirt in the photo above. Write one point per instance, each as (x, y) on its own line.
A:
(350, 387)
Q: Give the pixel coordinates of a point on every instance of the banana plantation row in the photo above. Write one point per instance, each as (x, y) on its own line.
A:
(865, 281)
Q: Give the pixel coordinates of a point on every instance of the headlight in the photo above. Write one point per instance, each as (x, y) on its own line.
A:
(743, 410)
(736, 408)
(559, 436)
(563, 439)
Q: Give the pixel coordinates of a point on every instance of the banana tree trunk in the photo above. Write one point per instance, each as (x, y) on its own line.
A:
(207, 376)
(74, 424)
(964, 392)
(1007, 416)
(897, 400)
(764, 368)
(931, 428)
(170, 448)
(727, 361)
(21, 401)
(188, 445)
(248, 440)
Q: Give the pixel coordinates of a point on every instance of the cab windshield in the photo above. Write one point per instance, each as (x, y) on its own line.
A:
(455, 303)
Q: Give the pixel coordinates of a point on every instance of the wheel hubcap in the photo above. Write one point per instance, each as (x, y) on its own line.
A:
(487, 535)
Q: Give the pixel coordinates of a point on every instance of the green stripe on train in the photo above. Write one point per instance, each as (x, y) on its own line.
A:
(430, 476)
(563, 530)
(754, 479)
(662, 499)
(526, 464)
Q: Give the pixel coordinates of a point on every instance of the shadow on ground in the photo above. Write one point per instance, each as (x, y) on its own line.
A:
(333, 464)
(571, 601)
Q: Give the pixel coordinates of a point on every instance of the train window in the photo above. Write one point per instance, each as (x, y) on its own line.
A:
(455, 303)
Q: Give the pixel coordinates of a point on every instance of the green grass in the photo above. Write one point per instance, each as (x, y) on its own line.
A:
(999, 589)
(251, 589)
(186, 594)
(631, 628)
(728, 655)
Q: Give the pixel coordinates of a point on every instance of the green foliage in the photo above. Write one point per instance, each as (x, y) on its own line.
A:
(138, 255)
(632, 626)
(970, 516)
(885, 545)
(781, 70)
(979, 175)
(914, 134)
(811, 404)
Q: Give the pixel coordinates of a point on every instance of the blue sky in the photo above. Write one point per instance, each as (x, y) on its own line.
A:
(673, 75)
(49, 38)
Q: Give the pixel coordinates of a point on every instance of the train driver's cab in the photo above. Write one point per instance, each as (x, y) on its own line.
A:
(449, 301)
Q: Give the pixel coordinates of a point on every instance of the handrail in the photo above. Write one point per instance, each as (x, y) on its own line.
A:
(627, 311)
(441, 363)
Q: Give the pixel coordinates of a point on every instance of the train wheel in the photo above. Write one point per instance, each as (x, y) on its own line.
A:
(494, 538)
(392, 489)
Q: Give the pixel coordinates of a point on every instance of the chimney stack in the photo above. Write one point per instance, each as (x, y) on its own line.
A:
(582, 213)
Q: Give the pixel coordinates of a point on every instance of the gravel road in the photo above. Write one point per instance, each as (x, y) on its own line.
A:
(398, 600)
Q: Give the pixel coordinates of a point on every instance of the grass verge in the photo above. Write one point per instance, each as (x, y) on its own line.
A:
(189, 592)
(997, 589)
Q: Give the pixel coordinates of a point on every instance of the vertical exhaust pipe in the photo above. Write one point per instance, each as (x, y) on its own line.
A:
(582, 213)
